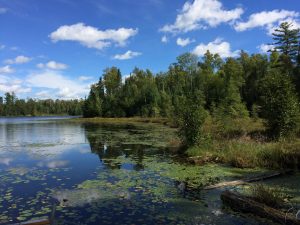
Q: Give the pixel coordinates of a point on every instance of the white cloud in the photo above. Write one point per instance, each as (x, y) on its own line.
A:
(6, 69)
(92, 37)
(53, 164)
(84, 78)
(184, 42)
(56, 65)
(43, 94)
(164, 39)
(3, 10)
(2, 47)
(6, 161)
(16, 88)
(21, 59)
(127, 55)
(265, 48)
(202, 14)
(217, 46)
(10, 84)
(294, 21)
(52, 65)
(59, 85)
(267, 19)
(125, 77)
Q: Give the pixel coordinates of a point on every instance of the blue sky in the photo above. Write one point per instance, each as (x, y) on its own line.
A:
(57, 48)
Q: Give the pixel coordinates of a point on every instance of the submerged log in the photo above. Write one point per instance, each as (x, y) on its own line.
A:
(247, 180)
(246, 205)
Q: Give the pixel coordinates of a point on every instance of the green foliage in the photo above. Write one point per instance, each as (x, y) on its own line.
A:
(287, 40)
(187, 62)
(93, 104)
(110, 86)
(280, 106)
(192, 116)
(254, 69)
(10, 105)
(231, 89)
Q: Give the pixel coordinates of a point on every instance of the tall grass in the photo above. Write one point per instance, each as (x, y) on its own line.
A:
(242, 144)
(272, 197)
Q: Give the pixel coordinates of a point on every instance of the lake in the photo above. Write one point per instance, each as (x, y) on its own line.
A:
(103, 174)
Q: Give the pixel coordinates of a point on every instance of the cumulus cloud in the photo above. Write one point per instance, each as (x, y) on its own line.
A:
(92, 37)
(21, 59)
(6, 69)
(127, 55)
(268, 20)
(202, 14)
(52, 65)
(217, 46)
(164, 39)
(10, 84)
(3, 10)
(184, 42)
(265, 48)
(58, 84)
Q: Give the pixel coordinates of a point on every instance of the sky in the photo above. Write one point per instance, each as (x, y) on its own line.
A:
(58, 48)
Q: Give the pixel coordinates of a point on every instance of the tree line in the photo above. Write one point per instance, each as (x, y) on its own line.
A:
(10, 105)
(257, 86)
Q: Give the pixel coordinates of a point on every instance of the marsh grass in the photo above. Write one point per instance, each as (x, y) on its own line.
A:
(242, 143)
(270, 196)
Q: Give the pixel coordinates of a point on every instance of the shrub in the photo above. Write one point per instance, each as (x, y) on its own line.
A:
(192, 116)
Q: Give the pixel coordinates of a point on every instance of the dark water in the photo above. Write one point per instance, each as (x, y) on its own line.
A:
(100, 174)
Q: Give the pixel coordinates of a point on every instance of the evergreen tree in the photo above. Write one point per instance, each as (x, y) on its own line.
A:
(287, 40)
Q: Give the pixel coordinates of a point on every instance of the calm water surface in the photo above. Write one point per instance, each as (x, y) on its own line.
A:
(97, 174)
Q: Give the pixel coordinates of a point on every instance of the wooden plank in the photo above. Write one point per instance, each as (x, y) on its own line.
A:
(244, 204)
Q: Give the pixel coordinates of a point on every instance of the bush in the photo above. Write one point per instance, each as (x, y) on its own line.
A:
(192, 116)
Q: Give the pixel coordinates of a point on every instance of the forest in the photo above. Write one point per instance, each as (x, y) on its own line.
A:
(257, 86)
(10, 105)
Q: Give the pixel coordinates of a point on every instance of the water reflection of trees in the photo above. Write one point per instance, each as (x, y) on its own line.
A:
(108, 143)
